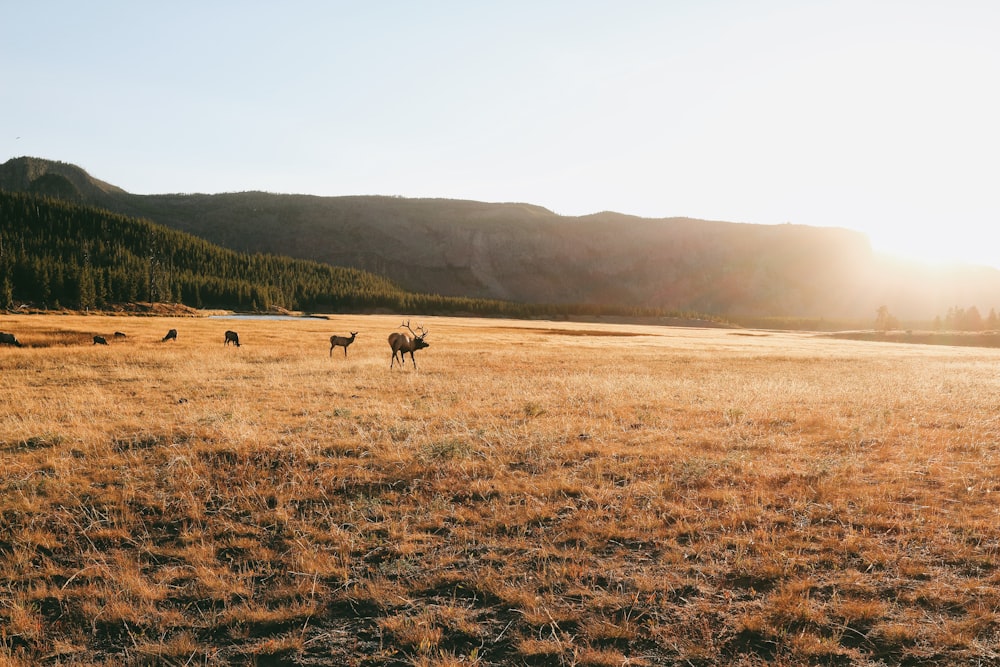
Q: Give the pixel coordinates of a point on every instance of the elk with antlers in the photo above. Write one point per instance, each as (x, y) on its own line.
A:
(342, 341)
(402, 343)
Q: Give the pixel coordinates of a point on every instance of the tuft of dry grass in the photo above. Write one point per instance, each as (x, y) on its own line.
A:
(535, 493)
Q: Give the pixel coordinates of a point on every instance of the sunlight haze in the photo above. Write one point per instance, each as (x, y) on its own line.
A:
(875, 116)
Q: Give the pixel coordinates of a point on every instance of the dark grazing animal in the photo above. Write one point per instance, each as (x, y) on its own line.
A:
(171, 335)
(402, 343)
(99, 340)
(119, 334)
(9, 339)
(343, 341)
(232, 337)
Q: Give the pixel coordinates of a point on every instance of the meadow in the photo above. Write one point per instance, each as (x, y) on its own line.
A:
(534, 493)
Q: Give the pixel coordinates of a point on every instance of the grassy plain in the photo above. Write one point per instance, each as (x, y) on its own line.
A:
(533, 494)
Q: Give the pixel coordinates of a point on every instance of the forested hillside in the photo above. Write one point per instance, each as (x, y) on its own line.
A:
(511, 252)
(57, 254)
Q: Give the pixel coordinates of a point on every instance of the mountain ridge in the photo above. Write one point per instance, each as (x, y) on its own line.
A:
(526, 253)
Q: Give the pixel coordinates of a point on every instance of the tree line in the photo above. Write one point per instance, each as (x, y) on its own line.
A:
(56, 254)
(956, 319)
(967, 319)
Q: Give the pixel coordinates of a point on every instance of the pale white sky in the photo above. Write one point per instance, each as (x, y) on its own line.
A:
(880, 116)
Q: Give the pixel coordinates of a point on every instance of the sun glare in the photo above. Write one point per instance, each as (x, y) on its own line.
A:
(943, 247)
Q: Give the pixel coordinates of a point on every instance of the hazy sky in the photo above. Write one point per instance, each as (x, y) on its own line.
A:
(880, 116)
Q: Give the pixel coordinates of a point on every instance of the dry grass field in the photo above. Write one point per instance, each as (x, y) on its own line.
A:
(532, 494)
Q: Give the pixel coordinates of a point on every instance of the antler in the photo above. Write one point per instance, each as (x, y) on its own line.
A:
(423, 331)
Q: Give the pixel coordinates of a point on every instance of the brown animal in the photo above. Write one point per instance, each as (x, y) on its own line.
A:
(232, 337)
(402, 343)
(342, 341)
(119, 334)
(9, 339)
(100, 340)
(171, 335)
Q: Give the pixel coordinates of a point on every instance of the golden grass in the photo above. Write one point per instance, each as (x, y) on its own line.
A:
(532, 494)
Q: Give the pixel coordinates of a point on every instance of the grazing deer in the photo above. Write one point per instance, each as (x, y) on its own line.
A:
(342, 341)
(171, 335)
(9, 339)
(403, 343)
(100, 340)
(232, 337)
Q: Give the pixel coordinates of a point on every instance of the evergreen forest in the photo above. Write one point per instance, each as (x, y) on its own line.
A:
(55, 254)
